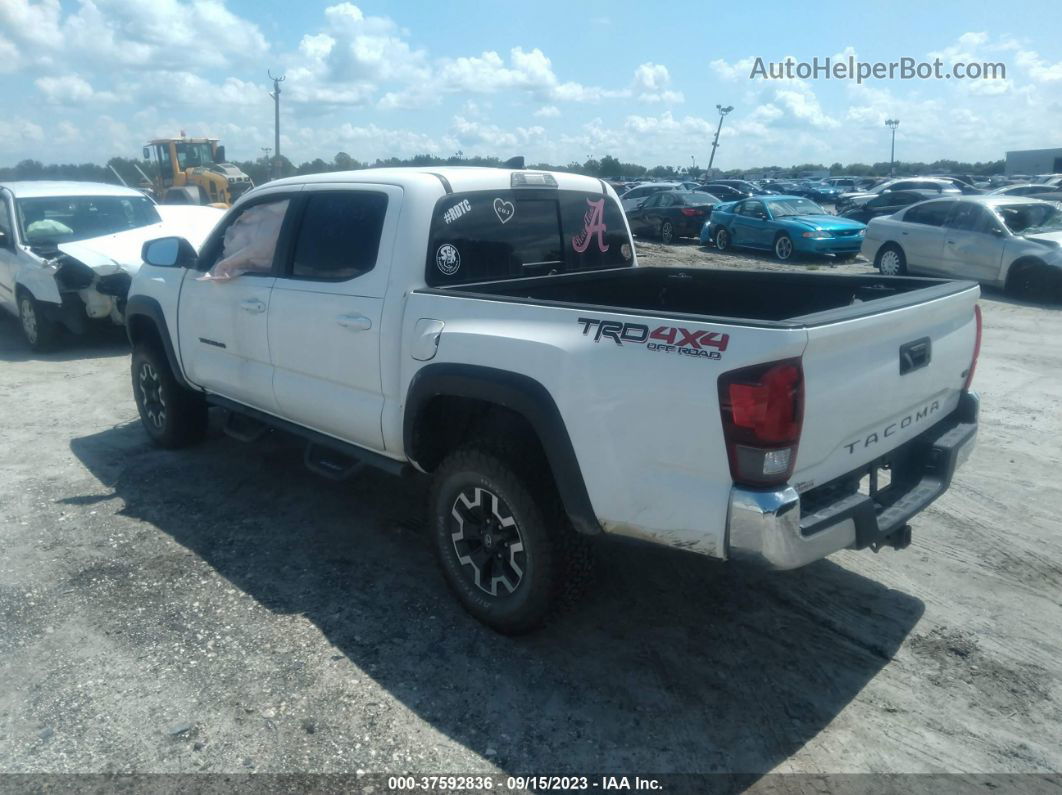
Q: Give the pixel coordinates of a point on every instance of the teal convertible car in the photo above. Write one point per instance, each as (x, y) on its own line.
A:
(787, 225)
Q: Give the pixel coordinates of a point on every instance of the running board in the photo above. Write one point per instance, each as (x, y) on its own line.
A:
(243, 428)
(341, 448)
(329, 463)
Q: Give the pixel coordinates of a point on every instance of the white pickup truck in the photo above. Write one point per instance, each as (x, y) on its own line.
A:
(492, 327)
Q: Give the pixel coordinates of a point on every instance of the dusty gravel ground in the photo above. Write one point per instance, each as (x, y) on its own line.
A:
(221, 609)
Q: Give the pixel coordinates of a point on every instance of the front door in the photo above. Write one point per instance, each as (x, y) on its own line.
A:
(327, 308)
(750, 224)
(973, 243)
(9, 258)
(224, 309)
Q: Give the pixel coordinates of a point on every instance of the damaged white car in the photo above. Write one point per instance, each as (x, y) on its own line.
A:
(68, 251)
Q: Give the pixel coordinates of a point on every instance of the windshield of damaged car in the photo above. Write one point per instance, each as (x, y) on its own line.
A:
(780, 208)
(1031, 219)
(62, 219)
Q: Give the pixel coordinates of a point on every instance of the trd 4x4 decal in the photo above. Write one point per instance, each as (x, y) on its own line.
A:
(665, 339)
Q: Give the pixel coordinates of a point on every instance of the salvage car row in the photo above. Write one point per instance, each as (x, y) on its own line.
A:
(1009, 238)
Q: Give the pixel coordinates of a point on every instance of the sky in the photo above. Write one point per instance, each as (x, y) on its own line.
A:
(85, 80)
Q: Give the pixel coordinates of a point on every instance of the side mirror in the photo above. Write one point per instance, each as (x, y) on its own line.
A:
(147, 153)
(168, 252)
(219, 154)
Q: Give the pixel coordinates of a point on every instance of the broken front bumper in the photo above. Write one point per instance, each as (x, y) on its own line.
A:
(783, 529)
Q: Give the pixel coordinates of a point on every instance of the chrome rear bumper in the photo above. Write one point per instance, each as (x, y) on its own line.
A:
(770, 528)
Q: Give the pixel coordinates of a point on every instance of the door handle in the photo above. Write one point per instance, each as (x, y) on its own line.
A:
(951, 242)
(253, 305)
(354, 322)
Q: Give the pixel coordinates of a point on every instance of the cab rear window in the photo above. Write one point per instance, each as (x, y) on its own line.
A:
(487, 235)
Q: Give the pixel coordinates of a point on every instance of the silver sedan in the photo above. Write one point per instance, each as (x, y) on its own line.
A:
(1006, 241)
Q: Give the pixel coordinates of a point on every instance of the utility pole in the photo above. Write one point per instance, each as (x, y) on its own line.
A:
(276, 121)
(892, 124)
(715, 143)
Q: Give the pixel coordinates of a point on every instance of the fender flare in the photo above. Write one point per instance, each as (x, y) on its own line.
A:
(145, 306)
(523, 395)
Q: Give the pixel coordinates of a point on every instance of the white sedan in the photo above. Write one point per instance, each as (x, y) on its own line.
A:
(1006, 241)
(68, 251)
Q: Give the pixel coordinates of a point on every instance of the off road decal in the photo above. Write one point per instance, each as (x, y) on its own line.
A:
(593, 224)
(662, 339)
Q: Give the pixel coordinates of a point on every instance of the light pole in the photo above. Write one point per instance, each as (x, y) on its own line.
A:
(892, 124)
(276, 121)
(715, 143)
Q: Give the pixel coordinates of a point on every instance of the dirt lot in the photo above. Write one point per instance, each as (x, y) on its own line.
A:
(221, 609)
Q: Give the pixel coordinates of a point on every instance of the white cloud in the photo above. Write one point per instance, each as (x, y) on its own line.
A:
(132, 33)
(548, 112)
(652, 84)
(71, 90)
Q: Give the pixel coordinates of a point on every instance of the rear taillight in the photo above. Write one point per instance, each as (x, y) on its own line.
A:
(690, 212)
(977, 348)
(762, 409)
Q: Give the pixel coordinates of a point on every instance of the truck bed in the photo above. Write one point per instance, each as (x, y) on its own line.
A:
(734, 297)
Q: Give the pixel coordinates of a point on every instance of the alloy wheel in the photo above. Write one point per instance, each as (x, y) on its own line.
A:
(783, 248)
(667, 232)
(487, 540)
(151, 397)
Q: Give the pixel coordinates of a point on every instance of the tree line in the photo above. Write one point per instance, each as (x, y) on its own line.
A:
(262, 169)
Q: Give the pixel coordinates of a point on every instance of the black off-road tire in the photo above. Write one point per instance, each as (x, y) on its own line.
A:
(554, 560)
(39, 332)
(173, 416)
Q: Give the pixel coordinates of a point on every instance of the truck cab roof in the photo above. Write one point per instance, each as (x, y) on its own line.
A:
(459, 179)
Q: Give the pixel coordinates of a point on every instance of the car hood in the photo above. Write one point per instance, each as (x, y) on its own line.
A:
(1050, 238)
(824, 221)
(120, 251)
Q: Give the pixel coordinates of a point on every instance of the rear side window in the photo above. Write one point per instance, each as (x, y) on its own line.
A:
(930, 213)
(484, 235)
(339, 236)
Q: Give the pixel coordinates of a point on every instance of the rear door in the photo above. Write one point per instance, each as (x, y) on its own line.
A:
(862, 399)
(326, 308)
(922, 235)
(221, 322)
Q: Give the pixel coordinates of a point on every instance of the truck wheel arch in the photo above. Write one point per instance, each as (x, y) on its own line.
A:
(440, 385)
(145, 322)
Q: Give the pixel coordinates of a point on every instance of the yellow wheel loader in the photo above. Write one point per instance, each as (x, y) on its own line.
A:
(194, 171)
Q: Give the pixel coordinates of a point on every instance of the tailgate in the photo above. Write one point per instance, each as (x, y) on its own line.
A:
(871, 383)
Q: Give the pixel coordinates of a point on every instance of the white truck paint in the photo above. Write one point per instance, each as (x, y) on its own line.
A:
(632, 362)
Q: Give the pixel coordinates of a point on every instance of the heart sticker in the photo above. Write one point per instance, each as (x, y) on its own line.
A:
(504, 210)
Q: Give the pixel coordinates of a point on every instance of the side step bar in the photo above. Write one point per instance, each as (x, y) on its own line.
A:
(339, 449)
